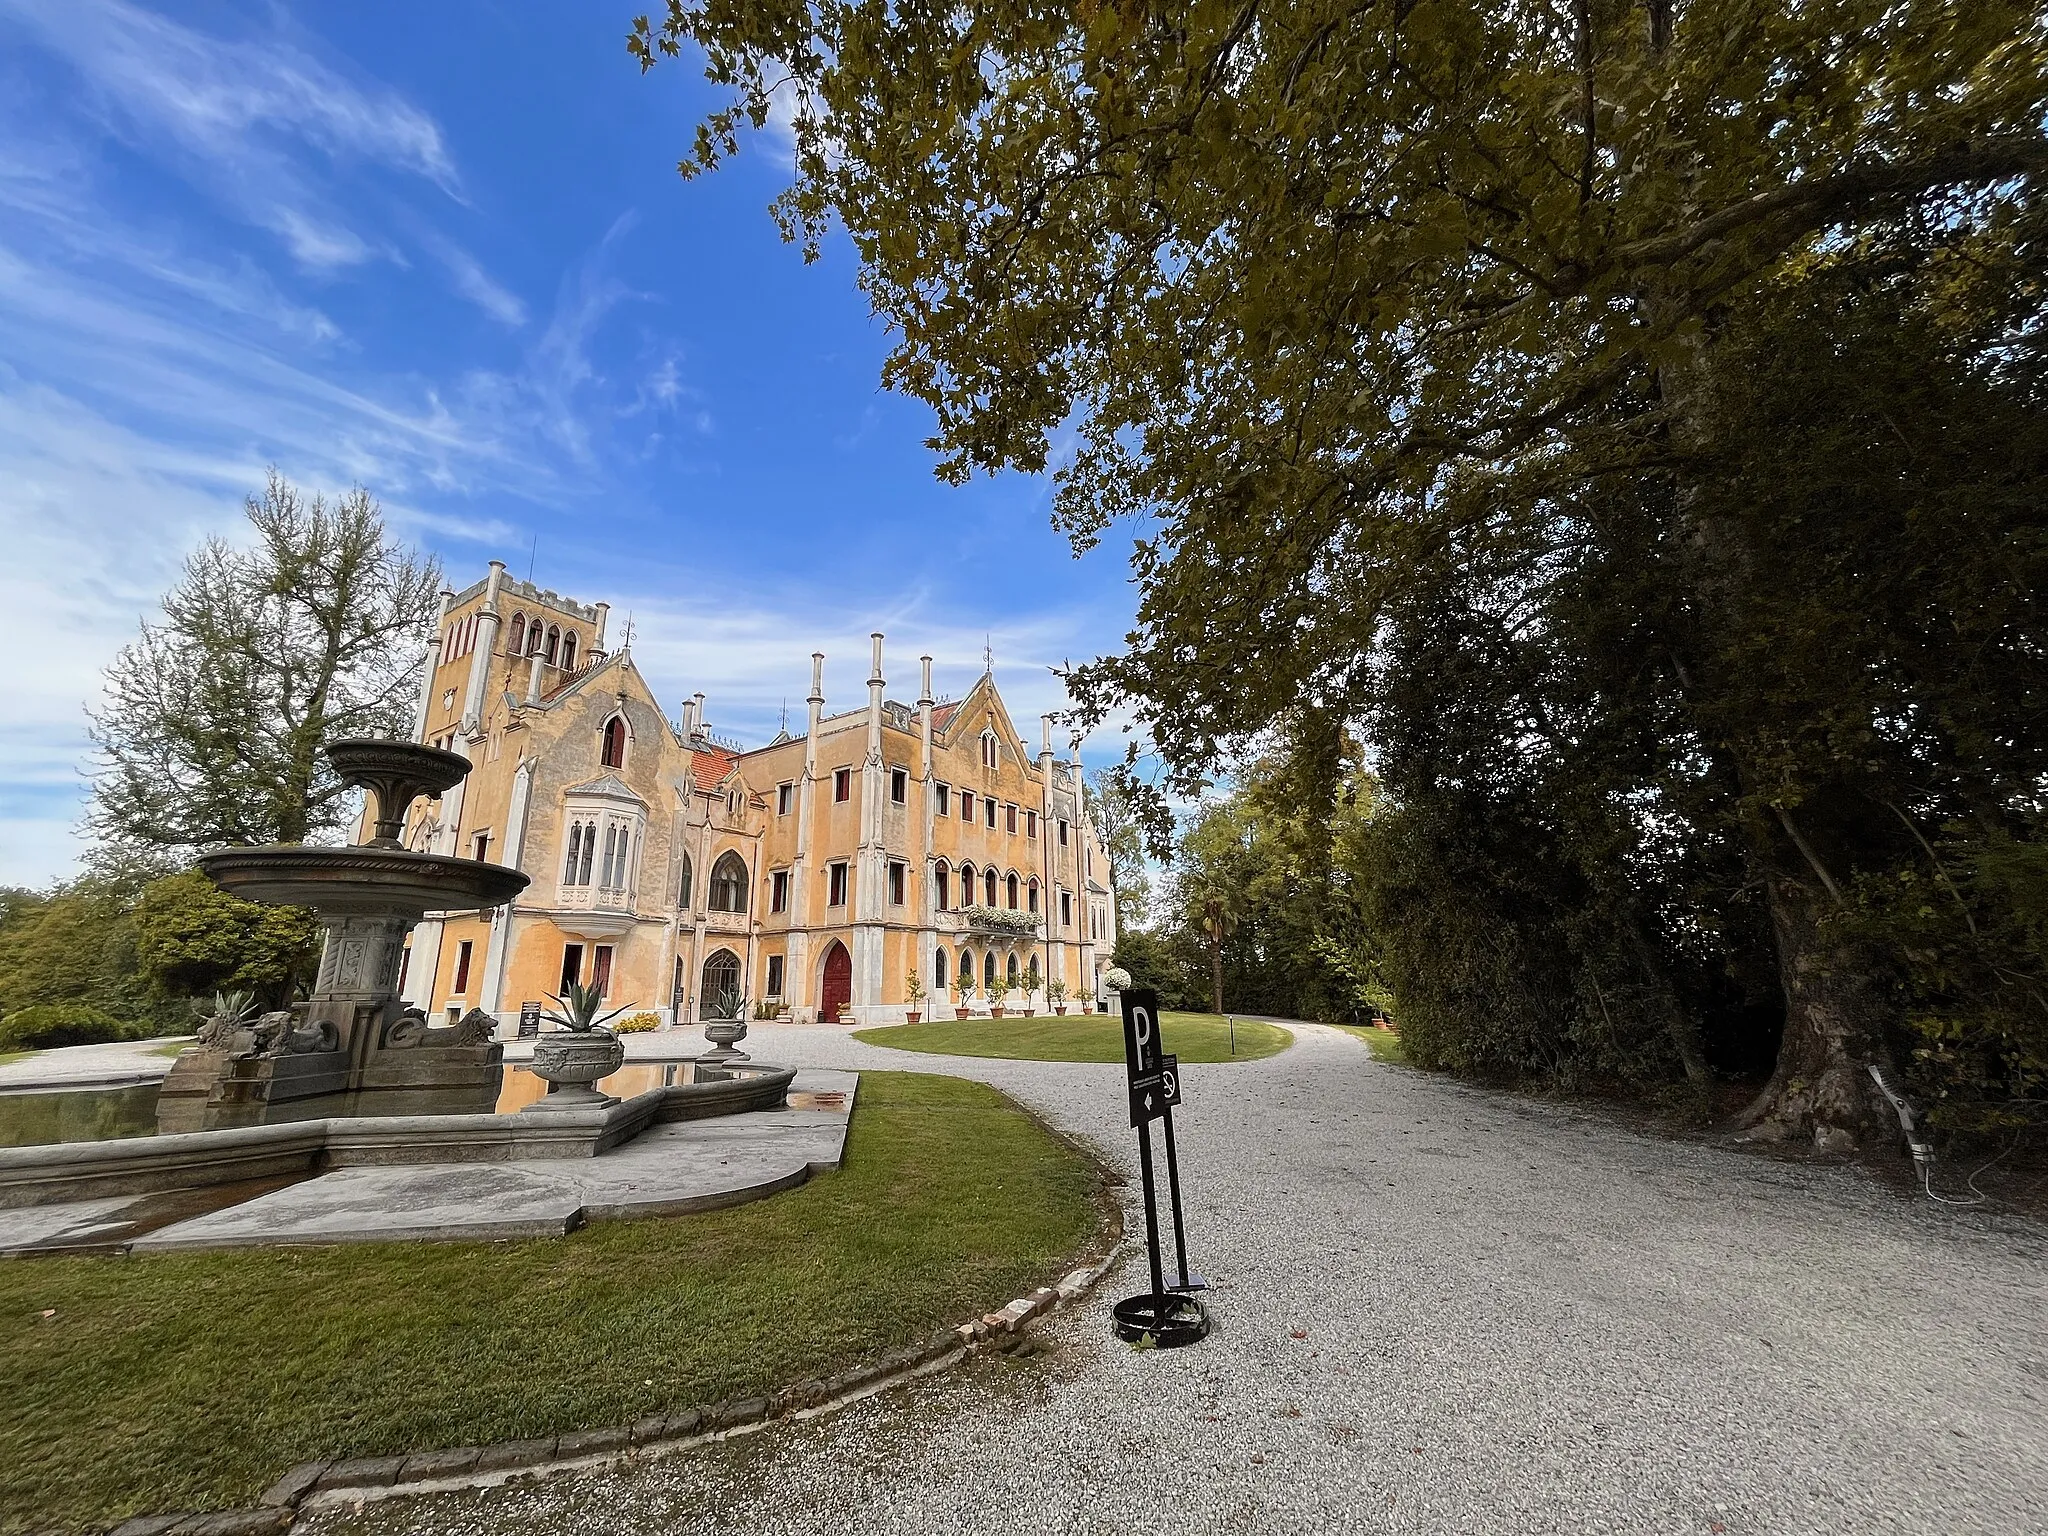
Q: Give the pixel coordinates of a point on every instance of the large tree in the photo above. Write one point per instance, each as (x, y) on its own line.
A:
(1311, 281)
(213, 719)
(1112, 793)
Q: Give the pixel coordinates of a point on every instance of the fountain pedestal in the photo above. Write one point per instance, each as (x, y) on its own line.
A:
(353, 1049)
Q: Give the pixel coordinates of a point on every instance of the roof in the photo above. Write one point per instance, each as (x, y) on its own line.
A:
(944, 713)
(710, 766)
(605, 786)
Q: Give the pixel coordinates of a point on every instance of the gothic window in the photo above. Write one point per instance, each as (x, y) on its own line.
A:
(569, 651)
(988, 888)
(553, 644)
(604, 870)
(939, 970)
(988, 971)
(613, 752)
(517, 642)
(988, 749)
(1010, 891)
(1032, 893)
(683, 891)
(721, 976)
(729, 884)
(967, 885)
(575, 853)
(589, 848)
(535, 637)
(1010, 970)
(942, 882)
(1031, 976)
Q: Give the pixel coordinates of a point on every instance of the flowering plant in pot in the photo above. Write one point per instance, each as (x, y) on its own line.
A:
(997, 990)
(913, 989)
(1056, 994)
(963, 990)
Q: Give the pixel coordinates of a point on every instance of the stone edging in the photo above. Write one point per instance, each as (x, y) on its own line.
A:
(333, 1484)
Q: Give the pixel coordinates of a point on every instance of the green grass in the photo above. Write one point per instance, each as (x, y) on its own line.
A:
(7, 1056)
(1194, 1037)
(1385, 1044)
(190, 1381)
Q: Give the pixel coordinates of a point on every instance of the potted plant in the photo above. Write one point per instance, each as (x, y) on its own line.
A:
(584, 1051)
(963, 989)
(913, 988)
(725, 1025)
(1056, 994)
(999, 989)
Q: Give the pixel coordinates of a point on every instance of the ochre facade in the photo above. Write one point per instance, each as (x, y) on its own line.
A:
(816, 874)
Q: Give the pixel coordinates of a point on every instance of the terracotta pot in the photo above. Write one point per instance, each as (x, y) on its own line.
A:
(911, 1015)
(995, 1012)
(1059, 1008)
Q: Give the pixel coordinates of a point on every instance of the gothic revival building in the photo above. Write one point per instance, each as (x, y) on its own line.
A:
(818, 873)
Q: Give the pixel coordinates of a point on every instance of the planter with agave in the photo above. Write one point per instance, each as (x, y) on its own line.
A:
(572, 1060)
(725, 1026)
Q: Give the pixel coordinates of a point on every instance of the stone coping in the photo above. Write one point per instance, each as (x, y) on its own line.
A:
(87, 1170)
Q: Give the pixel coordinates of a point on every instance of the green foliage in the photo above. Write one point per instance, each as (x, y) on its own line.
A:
(77, 943)
(45, 1026)
(582, 1007)
(193, 939)
(215, 715)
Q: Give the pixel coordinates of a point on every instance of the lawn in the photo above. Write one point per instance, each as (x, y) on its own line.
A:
(1194, 1037)
(191, 1381)
(7, 1056)
(1385, 1044)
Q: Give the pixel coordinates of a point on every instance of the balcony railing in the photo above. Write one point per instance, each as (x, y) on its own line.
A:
(999, 920)
(595, 898)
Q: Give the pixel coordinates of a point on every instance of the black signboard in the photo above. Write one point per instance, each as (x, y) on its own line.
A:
(529, 1020)
(1152, 1078)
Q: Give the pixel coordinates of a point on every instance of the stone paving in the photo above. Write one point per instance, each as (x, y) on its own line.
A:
(1438, 1310)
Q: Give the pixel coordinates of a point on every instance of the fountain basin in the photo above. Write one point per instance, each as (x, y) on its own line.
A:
(361, 882)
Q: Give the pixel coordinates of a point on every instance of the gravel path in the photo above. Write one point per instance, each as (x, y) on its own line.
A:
(1438, 1310)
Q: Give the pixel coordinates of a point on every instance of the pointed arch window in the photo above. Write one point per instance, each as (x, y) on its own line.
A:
(988, 971)
(966, 885)
(683, 892)
(613, 752)
(967, 967)
(554, 642)
(535, 637)
(988, 887)
(1010, 970)
(942, 889)
(988, 748)
(1010, 890)
(1031, 892)
(575, 841)
(728, 884)
(939, 971)
(569, 651)
(589, 849)
(517, 642)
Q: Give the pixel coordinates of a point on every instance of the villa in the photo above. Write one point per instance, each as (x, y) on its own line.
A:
(683, 874)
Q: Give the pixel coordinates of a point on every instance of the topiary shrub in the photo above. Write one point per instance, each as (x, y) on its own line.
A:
(44, 1026)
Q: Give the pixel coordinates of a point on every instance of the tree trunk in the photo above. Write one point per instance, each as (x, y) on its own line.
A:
(1820, 1088)
(1216, 976)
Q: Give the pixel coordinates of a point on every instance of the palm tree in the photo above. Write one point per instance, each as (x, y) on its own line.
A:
(1215, 914)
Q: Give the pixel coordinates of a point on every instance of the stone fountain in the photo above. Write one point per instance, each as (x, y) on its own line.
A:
(353, 1048)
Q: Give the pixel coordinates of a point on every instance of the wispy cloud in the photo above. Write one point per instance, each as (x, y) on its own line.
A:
(475, 284)
(239, 116)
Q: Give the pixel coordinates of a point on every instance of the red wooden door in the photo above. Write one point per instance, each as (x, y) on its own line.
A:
(838, 982)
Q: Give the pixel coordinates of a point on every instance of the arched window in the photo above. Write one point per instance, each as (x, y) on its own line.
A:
(575, 841)
(569, 651)
(942, 889)
(988, 748)
(988, 971)
(939, 971)
(1010, 890)
(609, 867)
(1032, 893)
(729, 884)
(721, 981)
(613, 753)
(966, 885)
(517, 642)
(534, 638)
(732, 802)
(1031, 976)
(1010, 970)
(683, 891)
(967, 967)
(554, 640)
(589, 848)
(988, 888)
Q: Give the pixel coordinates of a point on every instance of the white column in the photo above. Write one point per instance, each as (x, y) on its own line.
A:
(423, 963)
(419, 714)
(1082, 901)
(480, 658)
(1048, 902)
(512, 850)
(869, 895)
(796, 980)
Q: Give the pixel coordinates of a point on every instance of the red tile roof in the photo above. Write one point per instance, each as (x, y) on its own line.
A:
(942, 714)
(710, 765)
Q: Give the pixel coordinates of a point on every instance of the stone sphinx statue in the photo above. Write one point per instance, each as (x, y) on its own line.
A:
(411, 1029)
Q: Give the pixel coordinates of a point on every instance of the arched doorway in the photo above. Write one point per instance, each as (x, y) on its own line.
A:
(721, 985)
(838, 986)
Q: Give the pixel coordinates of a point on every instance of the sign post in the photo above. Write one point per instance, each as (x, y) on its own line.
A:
(1165, 1317)
(529, 1020)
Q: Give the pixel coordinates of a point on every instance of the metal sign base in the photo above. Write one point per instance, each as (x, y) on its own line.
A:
(1166, 1321)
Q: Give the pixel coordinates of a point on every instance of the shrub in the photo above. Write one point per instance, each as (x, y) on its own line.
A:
(44, 1026)
(637, 1023)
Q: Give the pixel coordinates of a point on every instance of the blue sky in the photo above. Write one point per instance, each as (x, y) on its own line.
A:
(442, 250)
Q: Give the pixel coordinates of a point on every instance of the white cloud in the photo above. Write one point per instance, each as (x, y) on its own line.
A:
(237, 117)
(475, 284)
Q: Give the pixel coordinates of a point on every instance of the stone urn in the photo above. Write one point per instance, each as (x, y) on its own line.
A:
(725, 1035)
(571, 1062)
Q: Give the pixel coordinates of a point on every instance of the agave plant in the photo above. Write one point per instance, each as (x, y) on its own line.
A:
(582, 1009)
(729, 1004)
(231, 1010)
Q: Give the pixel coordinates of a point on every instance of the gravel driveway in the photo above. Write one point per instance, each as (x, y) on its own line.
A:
(1438, 1309)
